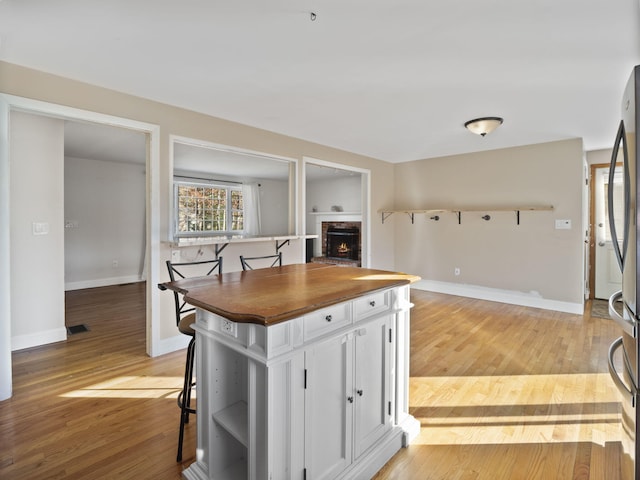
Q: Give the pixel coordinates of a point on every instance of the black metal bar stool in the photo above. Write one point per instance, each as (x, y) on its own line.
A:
(185, 317)
(264, 261)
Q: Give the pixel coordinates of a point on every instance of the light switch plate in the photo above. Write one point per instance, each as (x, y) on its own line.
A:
(40, 228)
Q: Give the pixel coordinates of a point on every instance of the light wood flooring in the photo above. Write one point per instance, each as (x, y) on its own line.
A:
(502, 392)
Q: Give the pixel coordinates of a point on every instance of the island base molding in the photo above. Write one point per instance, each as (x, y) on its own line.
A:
(364, 468)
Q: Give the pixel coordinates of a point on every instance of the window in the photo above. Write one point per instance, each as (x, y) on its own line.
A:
(206, 208)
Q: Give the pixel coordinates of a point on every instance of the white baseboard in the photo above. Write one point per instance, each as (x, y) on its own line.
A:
(513, 297)
(102, 282)
(20, 342)
(171, 344)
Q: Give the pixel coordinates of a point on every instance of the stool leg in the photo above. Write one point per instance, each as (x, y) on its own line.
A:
(184, 398)
(191, 357)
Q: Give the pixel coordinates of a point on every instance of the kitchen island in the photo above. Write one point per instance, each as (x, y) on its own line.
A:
(302, 371)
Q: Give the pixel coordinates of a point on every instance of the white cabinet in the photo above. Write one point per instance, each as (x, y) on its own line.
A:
(329, 401)
(321, 396)
(372, 412)
(346, 398)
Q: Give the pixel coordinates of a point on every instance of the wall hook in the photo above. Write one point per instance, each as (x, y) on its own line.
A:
(486, 217)
(313, 16)
(435, 217)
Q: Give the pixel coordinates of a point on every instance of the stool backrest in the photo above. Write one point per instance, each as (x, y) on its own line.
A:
(187, 270)
(265, 261)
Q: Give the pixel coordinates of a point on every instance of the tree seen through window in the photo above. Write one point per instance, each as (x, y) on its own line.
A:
(203, 208)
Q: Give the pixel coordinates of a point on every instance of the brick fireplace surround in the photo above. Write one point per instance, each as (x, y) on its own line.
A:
(339, 261)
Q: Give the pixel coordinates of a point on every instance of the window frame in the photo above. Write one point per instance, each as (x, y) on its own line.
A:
(229, 210)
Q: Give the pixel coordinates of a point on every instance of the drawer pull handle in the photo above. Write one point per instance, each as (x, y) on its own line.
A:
(359, 392)
(350, 399)
(372, 303)
(328, 318)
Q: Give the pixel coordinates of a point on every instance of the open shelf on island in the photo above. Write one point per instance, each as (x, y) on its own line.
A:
(235, 471)
(234, 420)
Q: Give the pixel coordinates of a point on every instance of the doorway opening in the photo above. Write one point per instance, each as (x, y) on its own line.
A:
(150, 223)
(104, 217)
(605, 277)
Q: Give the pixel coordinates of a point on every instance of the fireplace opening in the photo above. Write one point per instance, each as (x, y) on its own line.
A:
(343, 243)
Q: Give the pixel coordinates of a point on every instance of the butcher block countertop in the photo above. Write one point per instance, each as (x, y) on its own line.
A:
(271, 295)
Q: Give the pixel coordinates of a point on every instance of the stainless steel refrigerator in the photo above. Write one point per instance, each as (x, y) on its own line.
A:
(623, 305)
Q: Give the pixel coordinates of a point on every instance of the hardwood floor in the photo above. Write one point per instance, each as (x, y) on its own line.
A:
(507, 392)
(502, 392)
(95, 406)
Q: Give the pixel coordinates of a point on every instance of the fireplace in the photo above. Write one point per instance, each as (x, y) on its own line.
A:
(342, 243)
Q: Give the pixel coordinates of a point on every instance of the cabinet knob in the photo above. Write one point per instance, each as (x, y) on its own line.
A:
(350, 399)
(359, 392)
(372, 303)
(328, 318)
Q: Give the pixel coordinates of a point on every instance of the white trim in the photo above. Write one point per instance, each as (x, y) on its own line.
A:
(5, 255)
(172, 344)
(102, 282)
(513, 297)
(152, 197)
(365, 226)
(20, 342)
(226, 148)
(293, 177)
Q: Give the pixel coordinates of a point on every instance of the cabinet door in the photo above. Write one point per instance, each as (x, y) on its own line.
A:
(372, 383)
(328, 408)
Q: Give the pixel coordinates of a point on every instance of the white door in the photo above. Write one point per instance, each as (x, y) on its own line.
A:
(328, 408)
(608, 278)
(372, 407)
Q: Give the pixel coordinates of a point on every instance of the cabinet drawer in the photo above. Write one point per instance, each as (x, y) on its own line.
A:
(372, 304)
(326, 320)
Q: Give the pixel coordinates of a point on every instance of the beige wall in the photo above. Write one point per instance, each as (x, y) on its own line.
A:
(599, 156)
(37, 261)
(28, 83)
(23, 82)
(531, 258)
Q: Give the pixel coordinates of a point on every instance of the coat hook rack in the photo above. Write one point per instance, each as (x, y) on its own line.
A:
(458, 211)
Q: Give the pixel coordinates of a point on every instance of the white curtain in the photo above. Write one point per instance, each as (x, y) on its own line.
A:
(251, 199)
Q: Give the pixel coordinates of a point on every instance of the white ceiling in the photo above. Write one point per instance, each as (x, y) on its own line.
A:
(393, 79)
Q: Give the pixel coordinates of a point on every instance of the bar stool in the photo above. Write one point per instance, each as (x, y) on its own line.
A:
(265, 261)
(185, 317)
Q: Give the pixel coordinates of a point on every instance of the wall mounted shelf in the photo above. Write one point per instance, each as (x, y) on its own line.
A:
(458, 211)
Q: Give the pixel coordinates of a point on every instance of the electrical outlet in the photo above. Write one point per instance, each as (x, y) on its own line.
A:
(229, 328)
(456, 271)
(563, 224)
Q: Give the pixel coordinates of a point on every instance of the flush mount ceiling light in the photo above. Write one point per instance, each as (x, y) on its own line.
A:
(484, 125)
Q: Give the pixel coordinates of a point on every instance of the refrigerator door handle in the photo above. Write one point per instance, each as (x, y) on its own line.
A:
(624, 390)
(621, 137)
(628, 326)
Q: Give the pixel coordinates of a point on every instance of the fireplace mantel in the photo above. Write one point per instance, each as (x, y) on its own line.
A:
(333, 214)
